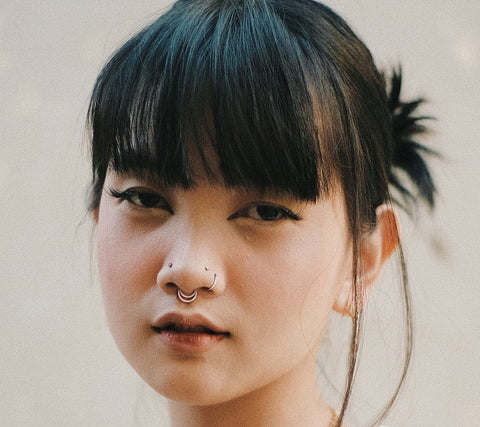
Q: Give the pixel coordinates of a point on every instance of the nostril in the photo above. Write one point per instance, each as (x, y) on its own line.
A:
(171, 285)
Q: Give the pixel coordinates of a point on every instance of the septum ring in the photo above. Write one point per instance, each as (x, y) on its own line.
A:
(192, 297)
(187, 298)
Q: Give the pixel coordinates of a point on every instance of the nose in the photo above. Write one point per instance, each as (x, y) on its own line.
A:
(186, 272)
(187, 285)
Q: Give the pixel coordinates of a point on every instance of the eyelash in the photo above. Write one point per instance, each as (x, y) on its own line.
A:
(280, 212)
(133, 193)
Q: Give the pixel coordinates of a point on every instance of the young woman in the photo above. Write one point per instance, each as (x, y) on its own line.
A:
(243, 154)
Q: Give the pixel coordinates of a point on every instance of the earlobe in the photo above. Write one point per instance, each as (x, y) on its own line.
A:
(344, 301)
(375, 249)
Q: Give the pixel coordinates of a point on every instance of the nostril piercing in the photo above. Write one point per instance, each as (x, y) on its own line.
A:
(170, 265)
(207, 268)
(213, 283)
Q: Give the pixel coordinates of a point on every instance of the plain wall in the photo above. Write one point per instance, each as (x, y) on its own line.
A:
(58, 364)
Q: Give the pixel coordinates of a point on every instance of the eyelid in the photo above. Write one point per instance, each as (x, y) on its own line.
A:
(132, 192)
(287, 213)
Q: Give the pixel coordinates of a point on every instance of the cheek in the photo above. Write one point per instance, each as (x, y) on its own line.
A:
(125, 261)
(328, 269)
(127, 266)
(293, 290)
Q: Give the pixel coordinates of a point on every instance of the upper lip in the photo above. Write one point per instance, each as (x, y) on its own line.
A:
(187, 323)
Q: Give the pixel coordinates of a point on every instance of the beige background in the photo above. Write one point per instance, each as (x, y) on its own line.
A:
(58, 364)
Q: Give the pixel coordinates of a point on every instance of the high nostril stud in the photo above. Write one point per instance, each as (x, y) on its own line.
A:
(207, 268)
(170, 265)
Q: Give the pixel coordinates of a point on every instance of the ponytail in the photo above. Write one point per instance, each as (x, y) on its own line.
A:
(408, 154)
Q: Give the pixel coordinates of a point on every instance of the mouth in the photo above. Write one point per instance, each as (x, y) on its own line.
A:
(177, 328)
(188, 335)
(193, 325)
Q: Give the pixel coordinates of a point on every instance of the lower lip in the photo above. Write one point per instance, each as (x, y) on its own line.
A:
(189, 342)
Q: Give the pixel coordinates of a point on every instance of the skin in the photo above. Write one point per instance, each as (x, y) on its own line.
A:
(277, 282)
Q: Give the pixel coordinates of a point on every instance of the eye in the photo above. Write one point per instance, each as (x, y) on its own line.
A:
(262, 211)
(142, 197)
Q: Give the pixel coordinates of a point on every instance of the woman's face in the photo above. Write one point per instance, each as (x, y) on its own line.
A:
(279, 264)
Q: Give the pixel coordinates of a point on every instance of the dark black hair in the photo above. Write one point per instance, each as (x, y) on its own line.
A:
(284, 94)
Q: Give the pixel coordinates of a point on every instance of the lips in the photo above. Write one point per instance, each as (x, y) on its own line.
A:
(192, 324)
(181, 329)
(188, 335)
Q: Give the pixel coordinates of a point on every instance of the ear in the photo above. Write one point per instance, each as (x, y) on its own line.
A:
(376, 248)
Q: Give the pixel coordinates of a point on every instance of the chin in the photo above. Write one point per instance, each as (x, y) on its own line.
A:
(183, 387)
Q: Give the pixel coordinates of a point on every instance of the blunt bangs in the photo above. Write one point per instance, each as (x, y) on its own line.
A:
(233, 76)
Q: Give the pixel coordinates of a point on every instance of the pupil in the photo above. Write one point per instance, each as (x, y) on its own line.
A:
(148, 200)
(267, 213)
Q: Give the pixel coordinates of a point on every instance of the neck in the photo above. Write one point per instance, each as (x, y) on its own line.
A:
(293, 399)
